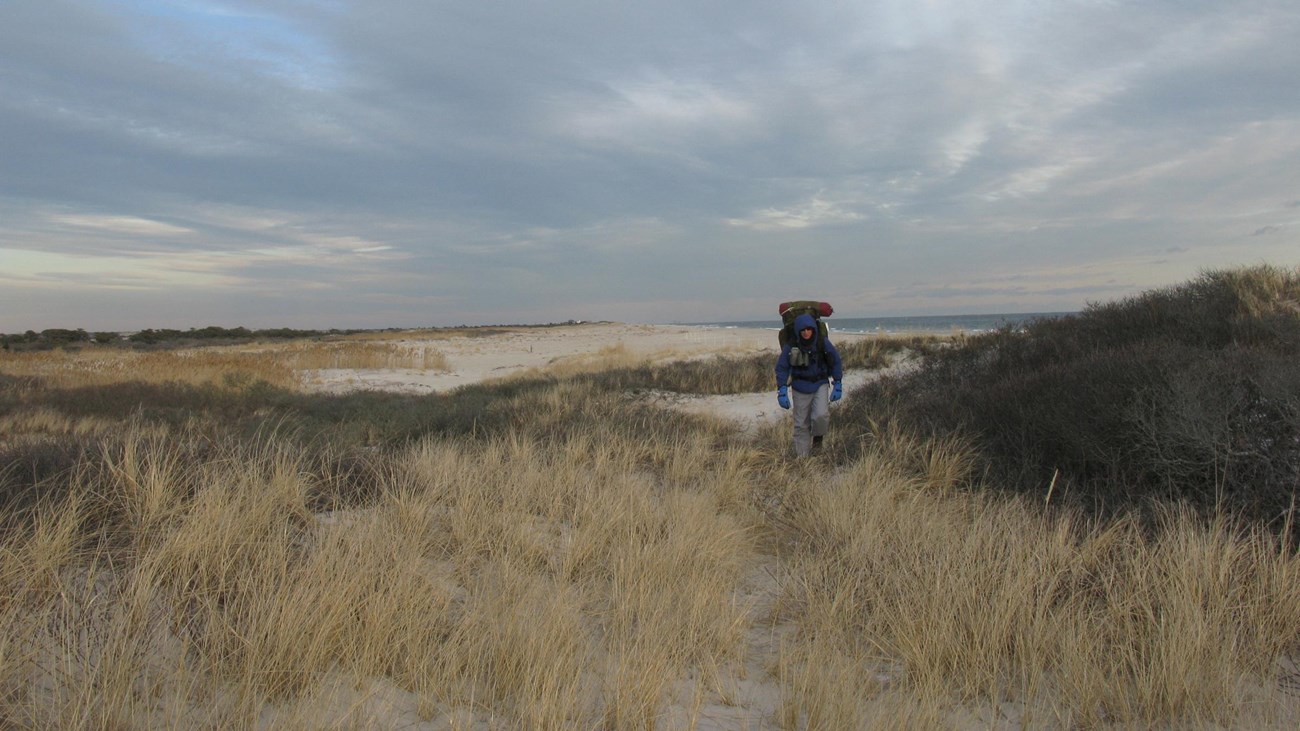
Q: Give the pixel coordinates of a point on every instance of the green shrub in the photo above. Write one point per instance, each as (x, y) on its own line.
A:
(1189, 392)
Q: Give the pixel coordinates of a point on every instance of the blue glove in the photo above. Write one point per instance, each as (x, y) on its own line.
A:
(837, 391)
(782, 398)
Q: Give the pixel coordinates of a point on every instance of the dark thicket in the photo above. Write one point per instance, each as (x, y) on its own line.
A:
(1190, 392)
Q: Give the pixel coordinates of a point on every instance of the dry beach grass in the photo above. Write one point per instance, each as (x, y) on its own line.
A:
(279, 365)
(563, 547)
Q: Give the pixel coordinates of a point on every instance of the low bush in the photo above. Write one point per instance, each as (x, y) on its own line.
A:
(1189, 392)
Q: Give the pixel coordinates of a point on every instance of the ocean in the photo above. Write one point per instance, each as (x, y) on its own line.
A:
(937, 324)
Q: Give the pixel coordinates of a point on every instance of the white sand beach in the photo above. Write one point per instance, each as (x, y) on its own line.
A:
(518, 351)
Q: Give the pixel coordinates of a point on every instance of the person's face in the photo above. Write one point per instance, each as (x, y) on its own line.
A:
(806, 333)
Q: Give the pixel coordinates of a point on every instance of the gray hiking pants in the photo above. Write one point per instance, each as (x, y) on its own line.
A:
(812, 417)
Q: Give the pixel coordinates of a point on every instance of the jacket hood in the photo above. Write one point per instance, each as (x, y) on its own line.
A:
(803, 321)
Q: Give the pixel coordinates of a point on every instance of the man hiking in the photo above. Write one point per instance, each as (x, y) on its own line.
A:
(808, 363)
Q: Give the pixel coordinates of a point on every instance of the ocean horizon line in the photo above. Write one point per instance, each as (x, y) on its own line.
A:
(900, 323)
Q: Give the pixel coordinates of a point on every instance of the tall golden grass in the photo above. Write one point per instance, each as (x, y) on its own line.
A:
(531, 580)
(568, 571)
(921, 593)
(359, 354)
(279, 364)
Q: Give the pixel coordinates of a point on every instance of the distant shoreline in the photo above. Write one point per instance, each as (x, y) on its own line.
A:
(901, 324)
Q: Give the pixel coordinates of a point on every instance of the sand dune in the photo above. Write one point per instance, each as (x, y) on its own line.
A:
(517, 351)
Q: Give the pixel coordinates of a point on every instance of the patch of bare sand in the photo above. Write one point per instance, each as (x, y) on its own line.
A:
(474, 359)
(517, 351)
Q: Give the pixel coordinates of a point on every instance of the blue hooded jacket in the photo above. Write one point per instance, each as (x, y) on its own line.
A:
(821, 365)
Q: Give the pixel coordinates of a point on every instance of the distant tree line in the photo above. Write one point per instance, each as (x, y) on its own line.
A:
(166, 337)
(62, 338)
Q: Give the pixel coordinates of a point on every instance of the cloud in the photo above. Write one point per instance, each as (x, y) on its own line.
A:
(132, 225)
(814, 212)
(551, 157)
(657, 108)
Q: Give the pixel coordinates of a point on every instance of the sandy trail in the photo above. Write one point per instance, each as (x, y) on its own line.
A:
(752, 696)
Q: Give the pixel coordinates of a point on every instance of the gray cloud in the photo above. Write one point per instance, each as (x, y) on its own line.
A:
(391, 163)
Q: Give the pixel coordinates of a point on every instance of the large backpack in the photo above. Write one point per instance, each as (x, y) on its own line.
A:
(790, 310)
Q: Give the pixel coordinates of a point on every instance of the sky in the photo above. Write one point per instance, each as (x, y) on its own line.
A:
(403, 163)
